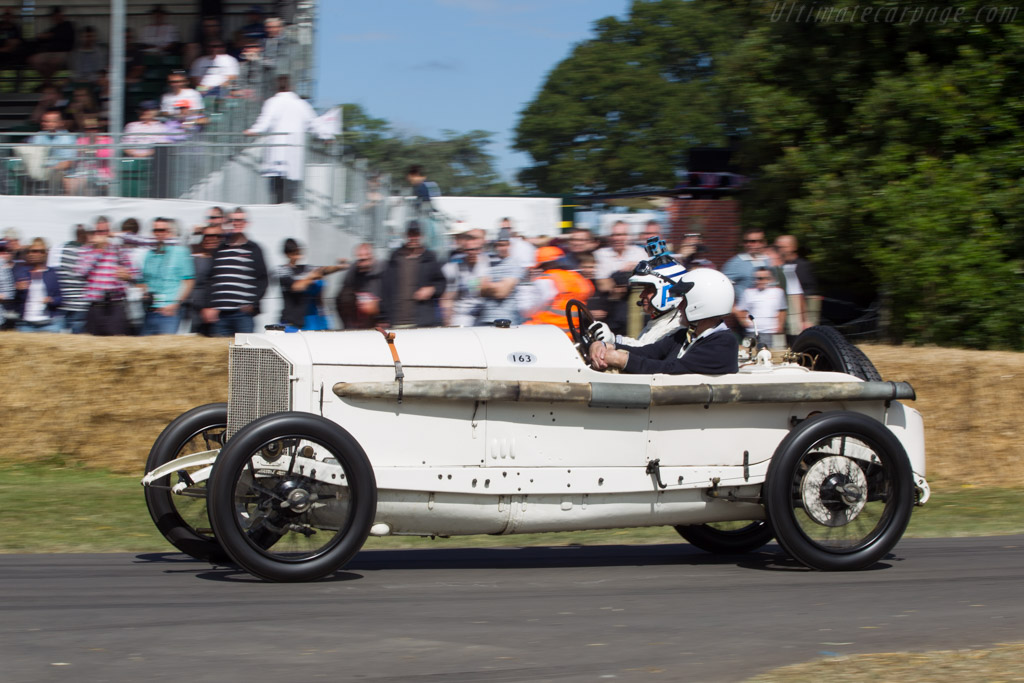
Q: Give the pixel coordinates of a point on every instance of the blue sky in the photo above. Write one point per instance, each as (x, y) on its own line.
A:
(430, 65)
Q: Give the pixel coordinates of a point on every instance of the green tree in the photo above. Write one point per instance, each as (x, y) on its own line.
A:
(892, 145)
(625, 107)
(895, 151)
(458, 162)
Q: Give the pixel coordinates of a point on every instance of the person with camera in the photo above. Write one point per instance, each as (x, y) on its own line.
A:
(168, 276)
(302, 288)
(108, 271)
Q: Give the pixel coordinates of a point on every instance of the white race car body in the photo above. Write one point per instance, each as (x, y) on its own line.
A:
(506, 430)
(446, 465)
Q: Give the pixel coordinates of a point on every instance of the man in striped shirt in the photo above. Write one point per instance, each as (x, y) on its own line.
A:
(238, 280)
(72, 285)
(108, 271)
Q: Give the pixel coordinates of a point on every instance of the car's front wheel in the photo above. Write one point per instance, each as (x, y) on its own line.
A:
(840, 491)
(297, 478)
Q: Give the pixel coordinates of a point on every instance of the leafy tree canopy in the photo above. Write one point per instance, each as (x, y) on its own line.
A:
(893, 148)
(625, 107)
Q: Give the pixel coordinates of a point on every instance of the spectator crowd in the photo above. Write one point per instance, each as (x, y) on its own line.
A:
(70, 150)
(211, 280)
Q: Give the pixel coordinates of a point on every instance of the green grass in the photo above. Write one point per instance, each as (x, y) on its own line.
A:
(53, 507)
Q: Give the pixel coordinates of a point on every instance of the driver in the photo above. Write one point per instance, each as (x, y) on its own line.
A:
(657, 275)
(705, 347)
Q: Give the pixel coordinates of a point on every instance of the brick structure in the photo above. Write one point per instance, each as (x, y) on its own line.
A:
(718, 220)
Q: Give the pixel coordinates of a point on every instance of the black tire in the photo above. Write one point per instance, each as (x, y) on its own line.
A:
(826, 349)
(839, 491)
(256, 488)
(183, 520)
(728, 538)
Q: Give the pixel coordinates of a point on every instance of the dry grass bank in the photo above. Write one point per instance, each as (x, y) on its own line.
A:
(104, 401)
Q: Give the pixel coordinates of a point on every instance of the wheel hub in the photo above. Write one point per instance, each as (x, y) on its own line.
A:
(293, 497)
(298, 500)
(834, 491)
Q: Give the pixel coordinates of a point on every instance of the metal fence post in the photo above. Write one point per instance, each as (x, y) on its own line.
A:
(116, 125)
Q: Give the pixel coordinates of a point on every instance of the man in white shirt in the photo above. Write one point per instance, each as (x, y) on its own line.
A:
(801, 286)
(766, 304)
(463, 301)
(179, 92)
(614, 264)
(498, 288)
(289, 116)
(216, 71)
(520, 251)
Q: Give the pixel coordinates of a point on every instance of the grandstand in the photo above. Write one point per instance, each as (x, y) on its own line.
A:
(338, 203)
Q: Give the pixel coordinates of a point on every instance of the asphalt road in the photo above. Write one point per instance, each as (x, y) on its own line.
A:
(628, 613)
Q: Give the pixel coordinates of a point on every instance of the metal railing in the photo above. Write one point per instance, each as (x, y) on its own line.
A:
(222, 167)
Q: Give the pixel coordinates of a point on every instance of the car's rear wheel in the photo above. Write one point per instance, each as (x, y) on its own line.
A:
(301, 479)
(728, 538)
(182, 519)
(839, 491)
(826, 349)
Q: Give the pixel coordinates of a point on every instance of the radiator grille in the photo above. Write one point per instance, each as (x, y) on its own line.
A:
(257, 385)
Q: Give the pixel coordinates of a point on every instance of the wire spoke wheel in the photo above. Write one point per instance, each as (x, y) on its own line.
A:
(272, 499)
(182, 517)
(293, 497)
(843, 502)
(840, 491)
(191, 505)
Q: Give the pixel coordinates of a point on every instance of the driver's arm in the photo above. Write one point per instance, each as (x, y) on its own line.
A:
(656, 350)
(604, 355)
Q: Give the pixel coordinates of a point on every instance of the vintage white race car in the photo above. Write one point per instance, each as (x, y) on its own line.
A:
(329, 437)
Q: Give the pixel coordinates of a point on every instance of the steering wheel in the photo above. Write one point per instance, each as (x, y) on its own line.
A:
(579, 319)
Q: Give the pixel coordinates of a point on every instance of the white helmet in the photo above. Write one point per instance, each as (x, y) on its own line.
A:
(662, 273)
(709, 294)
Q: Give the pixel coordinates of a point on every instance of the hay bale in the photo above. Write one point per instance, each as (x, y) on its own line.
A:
(968, 400)
(102, 402)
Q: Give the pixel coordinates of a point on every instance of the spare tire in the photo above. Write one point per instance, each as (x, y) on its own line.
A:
(826, 349)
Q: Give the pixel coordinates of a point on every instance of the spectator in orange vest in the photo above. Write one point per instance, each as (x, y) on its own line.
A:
(551, 286)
